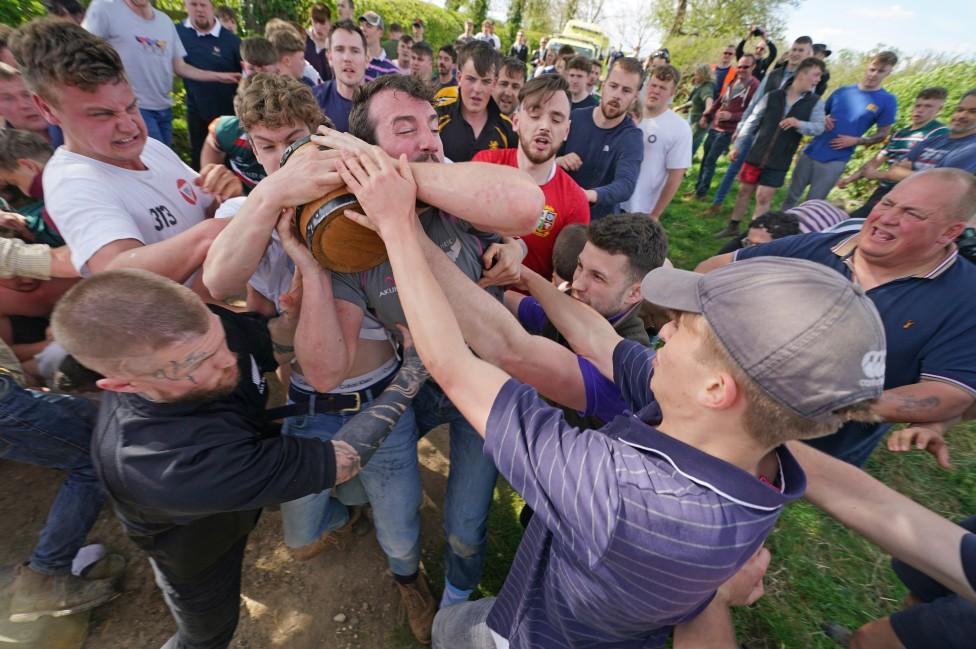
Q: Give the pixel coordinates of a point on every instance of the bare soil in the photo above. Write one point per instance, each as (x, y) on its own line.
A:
(284, 603)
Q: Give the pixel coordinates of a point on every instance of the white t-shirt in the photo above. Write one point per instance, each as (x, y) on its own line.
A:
(147, 48)
(667, 145)
(94, 203)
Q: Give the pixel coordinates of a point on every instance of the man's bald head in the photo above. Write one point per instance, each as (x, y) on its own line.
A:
(954, 186)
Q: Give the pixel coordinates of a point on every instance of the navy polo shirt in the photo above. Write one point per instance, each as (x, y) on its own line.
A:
(633, 530)
(218, 51)
(335, 106)
(929, 319)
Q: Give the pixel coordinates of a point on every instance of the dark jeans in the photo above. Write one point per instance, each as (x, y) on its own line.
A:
(159, 124)
(875, 198)
(196, 127)
(206, 609)
(716, 144)
(732, 172)
(943, 619)
(54, 430)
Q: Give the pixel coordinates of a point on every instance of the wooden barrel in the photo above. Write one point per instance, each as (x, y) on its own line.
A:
(338, 243)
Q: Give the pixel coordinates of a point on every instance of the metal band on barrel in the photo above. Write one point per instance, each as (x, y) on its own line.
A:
(341, 201)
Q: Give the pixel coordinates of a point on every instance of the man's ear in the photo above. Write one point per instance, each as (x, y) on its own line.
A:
(633, 295)
(45, 108)
(115, 385)
(515, 120)
(33, 166)
(721, 392)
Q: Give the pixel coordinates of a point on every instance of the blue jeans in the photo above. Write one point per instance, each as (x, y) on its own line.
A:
(470, 485)
(54, 430)
(716, 144)
(159, 124)
(390, 483)
(732, 172)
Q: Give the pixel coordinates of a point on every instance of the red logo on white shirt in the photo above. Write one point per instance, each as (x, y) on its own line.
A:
(186, 191)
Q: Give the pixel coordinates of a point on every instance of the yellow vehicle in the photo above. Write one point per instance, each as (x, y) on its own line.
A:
(589, 33)
(582, 47)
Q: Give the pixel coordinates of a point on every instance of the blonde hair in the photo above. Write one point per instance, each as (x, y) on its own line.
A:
(113, 319)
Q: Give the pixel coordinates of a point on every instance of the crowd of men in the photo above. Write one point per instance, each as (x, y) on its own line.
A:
(656, 421)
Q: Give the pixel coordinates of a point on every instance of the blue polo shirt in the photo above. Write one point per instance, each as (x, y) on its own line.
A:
(854, 111)
(217, 51)
(940, 150)
(929, 320)
(633, 532)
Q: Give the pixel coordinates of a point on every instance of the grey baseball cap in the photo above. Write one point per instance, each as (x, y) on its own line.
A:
(809, 337)
(372, 18)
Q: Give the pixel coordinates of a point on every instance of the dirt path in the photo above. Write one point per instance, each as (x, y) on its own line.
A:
(285, 603)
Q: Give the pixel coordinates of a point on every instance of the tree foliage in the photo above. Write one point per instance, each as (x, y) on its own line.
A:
(719, 18)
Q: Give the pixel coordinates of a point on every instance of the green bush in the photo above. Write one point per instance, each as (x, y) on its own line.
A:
(442, 26)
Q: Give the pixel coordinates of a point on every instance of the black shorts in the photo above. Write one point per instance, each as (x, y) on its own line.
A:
(944, 620)
(756, 175)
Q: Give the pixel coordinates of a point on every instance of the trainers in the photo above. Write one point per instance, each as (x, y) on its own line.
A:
(730, 230)
(338, 538)
(419, 606)
(36, 594)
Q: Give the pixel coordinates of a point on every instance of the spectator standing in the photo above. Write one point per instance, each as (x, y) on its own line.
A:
(577, 74)
(725, 69)
(822, 52)
(667, 146)
(347, 57)
(418, 28)
(851, 112)
(227, 18)
(446, 67)
(6, 56)
(146, 40)
(404, 55)
(290, 46)
(18, 110)
(777, 124)
(468, 34)
(539, 56)
(472, 121)
(394, 32)
(724, 116)
(317, 39)
(596, 69)
(778, 78)
(422, 63)
(519, 48)
(208, 47)
(542, 124)
(346, 9)
(928, 104)
(488, 35)
(511, 78)
(764, 50)
(371, 25)
(603, 152)
(258, 55)
(701, 98)
(954, 149)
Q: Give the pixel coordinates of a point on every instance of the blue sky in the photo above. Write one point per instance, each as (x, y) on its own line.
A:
(912, 26)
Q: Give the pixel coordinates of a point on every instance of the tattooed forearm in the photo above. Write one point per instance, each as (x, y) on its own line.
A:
(348, 463)
(367, 430)
(909, 404)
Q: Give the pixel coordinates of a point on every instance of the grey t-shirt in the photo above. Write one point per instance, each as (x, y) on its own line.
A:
(375, 290)
(147, 48)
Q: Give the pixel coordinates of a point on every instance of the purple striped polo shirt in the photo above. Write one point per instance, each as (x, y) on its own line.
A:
(379, 66)
(633, 530)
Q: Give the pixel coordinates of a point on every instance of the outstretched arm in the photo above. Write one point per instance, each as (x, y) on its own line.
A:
(493, 198)
(900, 526)
(387, 194)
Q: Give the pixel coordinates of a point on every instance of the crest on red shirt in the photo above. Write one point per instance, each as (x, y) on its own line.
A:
(546, 221)
(186, 191)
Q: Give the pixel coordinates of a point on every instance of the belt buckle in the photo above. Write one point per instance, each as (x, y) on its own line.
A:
(355, 408)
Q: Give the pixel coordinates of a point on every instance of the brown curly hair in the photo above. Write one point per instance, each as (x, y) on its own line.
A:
(53, 52)
(276, 100)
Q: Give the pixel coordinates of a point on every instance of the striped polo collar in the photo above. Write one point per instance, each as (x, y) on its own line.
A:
(846, 247)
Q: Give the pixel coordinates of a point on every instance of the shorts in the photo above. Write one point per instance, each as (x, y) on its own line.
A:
(943, 620)
(755, 175)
